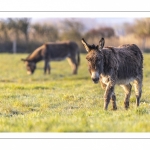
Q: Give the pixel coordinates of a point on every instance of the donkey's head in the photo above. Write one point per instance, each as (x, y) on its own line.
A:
(95, 59)
(30, 66)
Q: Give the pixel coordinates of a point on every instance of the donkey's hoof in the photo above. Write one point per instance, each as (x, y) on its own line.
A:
(114, 108)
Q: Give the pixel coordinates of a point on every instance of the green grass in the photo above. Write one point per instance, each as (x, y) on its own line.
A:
(62, 102)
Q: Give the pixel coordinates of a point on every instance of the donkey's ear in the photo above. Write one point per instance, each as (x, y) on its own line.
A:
(85, 45)
(101, 43)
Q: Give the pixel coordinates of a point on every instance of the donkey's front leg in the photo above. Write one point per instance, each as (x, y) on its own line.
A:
(46, 67)
(108, 93)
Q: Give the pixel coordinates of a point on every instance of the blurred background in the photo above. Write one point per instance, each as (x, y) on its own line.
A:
(23, 35)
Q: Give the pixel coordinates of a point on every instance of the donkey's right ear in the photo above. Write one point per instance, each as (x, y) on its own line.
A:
(85, 45)
(101, 43)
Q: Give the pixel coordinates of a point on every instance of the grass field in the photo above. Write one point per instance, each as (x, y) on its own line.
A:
(62, 102)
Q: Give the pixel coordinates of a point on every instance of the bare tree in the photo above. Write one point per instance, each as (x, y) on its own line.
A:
(13, 26)
(101, 32)
(24, 24)
(45, 32)
(71, 30)
(19, 24)
(3, 30)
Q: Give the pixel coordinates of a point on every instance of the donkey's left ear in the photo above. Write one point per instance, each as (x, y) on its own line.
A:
(85, 45)
(101, 43)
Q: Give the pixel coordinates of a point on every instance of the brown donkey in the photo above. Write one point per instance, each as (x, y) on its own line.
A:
(116, 65)
(53, 52)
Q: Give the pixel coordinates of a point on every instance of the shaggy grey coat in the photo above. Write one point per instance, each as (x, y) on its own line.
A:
(116, 65)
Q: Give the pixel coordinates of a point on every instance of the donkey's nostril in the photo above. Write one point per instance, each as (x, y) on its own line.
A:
(95, 80)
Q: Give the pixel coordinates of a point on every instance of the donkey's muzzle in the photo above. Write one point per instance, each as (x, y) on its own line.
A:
(29, 72)
(95, 80)
(95, 76)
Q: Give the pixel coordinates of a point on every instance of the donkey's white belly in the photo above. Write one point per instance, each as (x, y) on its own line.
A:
(105, 79)
(124, 81)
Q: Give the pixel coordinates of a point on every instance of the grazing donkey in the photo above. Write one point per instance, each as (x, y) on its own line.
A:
(116, 65)
(53, 52)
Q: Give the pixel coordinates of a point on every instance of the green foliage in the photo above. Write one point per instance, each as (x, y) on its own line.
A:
(62, 102)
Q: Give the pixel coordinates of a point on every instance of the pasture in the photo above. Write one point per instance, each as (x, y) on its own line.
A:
(62, 102)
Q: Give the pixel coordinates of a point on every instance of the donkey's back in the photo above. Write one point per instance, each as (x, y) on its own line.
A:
(128, 60)
(61, 50)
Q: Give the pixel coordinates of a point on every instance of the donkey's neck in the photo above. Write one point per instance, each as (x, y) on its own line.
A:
(35, 56)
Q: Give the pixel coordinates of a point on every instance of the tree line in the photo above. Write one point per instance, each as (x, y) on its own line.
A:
(29, 36)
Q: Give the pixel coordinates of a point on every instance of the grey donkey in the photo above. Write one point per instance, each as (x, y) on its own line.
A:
(116, 65)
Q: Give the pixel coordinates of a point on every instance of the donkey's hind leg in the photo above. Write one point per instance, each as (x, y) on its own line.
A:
(48, 68)
(127, 88)
(138, 90)
(73, 64)
(113, 99)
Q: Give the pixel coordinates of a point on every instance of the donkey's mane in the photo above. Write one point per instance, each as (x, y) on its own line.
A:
(34, 53)
(111, 48)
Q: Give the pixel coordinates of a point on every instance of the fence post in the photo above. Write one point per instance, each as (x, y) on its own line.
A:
(14, 46)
